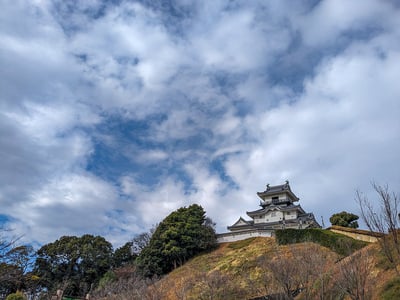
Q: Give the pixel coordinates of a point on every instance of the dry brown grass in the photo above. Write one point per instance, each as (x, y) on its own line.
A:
(243, 270)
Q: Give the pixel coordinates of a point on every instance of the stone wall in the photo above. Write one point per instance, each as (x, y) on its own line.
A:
(357, 234)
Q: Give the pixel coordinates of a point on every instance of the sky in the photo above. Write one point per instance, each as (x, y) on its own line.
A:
(115, 113)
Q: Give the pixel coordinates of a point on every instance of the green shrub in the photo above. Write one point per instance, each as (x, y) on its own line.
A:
(107, 278)
(339, 243)
(16, 296)
(391, 290)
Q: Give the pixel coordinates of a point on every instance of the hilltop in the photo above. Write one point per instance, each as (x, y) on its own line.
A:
(244, 270)
(295, 264)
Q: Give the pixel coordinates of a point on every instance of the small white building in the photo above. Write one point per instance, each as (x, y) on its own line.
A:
(278, 211)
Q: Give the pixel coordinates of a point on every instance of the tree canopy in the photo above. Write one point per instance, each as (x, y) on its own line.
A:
(73, 263)
(140, 241)
(15, 261)
(344, 219)
(124, 255)
(181, 235)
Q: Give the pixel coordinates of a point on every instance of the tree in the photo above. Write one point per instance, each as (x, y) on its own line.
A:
(297, 268)
(286, 272)
(73, 263)
(383, 220)
(344, 219)
(127, 253)
(18, 261)
(140, 241)
(126, 284)
(124, 255)
(216, 285)
(181, 235)
(354, 278)
(14, 262)
(313, 263)
(5, 244)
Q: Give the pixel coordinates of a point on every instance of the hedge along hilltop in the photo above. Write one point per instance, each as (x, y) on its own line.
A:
(339, 243)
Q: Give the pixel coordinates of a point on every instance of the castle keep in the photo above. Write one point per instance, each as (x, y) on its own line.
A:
(279, 210)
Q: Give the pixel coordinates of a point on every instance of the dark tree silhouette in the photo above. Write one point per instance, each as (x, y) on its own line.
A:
(181, 235)
(73, 263)
(344, 219)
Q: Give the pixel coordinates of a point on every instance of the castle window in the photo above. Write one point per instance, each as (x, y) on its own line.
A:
(275, 199)
(273, 214)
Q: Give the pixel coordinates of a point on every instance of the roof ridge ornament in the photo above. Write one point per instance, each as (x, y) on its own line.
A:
(286, 185)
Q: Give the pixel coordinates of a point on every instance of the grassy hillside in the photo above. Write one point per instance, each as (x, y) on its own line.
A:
(248, 269)
(315, 264)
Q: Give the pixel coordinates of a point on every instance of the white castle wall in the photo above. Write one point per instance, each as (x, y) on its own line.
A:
(237, 236)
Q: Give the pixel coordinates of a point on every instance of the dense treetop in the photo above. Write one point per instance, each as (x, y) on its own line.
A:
(181, 235)
(344, 219)
(75, 263)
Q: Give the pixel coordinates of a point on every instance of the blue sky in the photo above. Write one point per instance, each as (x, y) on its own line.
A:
(115, 113)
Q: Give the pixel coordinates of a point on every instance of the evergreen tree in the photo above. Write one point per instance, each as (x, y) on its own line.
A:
(344, 219)
(75, 263)
(123, 255)
(181, 235)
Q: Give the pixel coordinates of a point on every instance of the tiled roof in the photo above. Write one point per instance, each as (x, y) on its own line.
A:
(277, 207)
(277, 189)
(239, 224)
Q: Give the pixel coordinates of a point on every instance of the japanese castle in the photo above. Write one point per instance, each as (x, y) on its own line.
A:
(278, 211)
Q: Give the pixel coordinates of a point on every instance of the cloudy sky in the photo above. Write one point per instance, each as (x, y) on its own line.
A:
(115, 113)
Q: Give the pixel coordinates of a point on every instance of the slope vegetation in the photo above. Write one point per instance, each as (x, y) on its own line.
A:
(258, 267)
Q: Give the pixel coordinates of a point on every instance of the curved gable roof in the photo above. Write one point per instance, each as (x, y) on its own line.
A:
(272, 208)
(241, 222)
(276, 190)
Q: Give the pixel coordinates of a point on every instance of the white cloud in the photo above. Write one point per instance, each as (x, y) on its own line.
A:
(340, 135)
(217, 82)
(151, 205)
(67, 205)
(129, 56)
(228, 42)
(152, 156)
(335, 18)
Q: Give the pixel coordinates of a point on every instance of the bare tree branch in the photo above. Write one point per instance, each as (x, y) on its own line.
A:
(383, 219)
